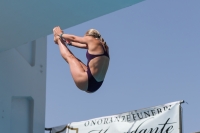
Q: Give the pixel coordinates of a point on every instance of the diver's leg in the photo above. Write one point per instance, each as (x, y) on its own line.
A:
(77, 68)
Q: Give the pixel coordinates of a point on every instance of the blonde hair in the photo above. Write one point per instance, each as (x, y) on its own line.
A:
(93, 32)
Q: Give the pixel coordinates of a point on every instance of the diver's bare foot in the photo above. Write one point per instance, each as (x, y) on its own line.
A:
(56, 38)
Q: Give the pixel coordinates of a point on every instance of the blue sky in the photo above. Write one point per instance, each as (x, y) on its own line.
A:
(154, 49)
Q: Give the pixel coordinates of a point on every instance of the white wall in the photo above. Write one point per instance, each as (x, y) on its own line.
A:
(23, 88)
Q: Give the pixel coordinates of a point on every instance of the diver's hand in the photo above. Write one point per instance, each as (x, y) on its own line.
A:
(57, 31)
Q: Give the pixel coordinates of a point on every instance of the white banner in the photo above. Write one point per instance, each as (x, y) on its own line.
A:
(159, 119)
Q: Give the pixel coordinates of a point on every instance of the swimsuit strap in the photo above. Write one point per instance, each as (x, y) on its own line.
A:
(92, 56)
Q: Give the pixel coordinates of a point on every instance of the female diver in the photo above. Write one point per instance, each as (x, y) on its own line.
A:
(88, 77)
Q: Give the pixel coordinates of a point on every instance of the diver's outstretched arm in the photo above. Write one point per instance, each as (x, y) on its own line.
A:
(72, 38)
(78, 45)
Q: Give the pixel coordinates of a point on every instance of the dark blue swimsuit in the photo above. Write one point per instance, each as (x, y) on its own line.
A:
(93, 85)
